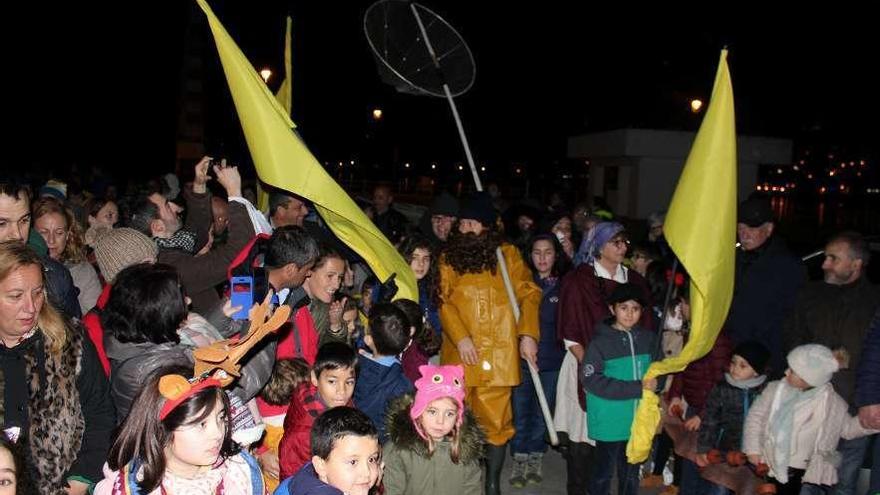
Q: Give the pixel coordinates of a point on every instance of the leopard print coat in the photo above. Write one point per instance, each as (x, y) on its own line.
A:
(56, 423)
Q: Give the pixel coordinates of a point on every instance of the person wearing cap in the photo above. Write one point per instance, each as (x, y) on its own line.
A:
(437, 223)
(435, 446)
(837, 312)
(767, 279)
(582, 305)
(480, 330)
(612, 374)
(796, 423)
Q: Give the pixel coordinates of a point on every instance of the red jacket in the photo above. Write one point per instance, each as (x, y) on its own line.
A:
(697, 380)
(308, 337)
(295, 449)
(92, 322)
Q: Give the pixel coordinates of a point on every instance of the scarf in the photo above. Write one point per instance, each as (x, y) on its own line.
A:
(781, 424)
(748, 383)
(597, 237)
(183, 240)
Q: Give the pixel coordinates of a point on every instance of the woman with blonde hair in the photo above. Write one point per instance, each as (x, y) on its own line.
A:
(57, 224)
(54, 394)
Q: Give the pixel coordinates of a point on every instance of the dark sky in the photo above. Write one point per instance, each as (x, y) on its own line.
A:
(99, 83)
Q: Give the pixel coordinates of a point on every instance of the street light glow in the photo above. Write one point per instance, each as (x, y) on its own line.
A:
(377, 114)
(266, 73)
(696, 105)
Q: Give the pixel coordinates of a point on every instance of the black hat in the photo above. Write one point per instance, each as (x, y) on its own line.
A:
(755, 353)
(444, 204)
(479, 207)
(626, 292)
(755, 212)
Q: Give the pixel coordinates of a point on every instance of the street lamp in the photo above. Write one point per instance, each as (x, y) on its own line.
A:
(266, 73)
(696, 105)
(377, 114)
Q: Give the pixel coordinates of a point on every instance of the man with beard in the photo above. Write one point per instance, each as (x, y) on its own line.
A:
(480, 331)
(155, 217)
(837, 313)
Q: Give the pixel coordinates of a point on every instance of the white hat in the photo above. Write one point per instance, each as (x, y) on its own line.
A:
(814, 363)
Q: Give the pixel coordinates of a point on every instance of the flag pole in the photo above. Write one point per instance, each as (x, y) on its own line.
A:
(505, 275)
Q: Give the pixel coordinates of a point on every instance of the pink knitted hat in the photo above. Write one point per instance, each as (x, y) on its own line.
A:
(438, 382)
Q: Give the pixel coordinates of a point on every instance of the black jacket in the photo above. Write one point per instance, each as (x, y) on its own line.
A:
(724, 417)
(766, 285)
(838, 317)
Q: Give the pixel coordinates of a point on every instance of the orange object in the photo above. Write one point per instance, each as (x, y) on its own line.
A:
(736, 458)
(766, 488)
(225, 354)
(762, 469)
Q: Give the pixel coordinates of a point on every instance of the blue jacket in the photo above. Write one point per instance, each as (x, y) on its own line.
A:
(868, 379)
(306, 482)
(376, 385)
(550, 349)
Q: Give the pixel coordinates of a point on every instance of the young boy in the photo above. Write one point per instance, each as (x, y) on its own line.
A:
(611, 372)
(381, 375)
(345, 457)
(727, 407)
(331, 385)
(804, 413)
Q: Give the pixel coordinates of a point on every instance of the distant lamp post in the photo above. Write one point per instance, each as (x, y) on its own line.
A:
(696, 105)
(266, 74)
(377, 114)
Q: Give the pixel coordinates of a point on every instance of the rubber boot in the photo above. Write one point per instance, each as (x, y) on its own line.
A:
(494, 462)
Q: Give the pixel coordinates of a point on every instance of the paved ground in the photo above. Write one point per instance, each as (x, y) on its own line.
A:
(554, 479)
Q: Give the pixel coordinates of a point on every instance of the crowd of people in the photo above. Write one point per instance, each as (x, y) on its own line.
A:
(108, 300)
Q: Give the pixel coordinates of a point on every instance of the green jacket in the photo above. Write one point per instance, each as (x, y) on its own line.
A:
(411, 470)
(612, 373)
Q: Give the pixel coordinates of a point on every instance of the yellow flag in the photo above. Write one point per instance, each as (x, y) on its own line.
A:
(282, 160)
(701, 229)
(285, 98)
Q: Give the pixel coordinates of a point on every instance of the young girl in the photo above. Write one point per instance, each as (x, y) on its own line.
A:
(424, 342)
(177, 439)
(434, 446)
(796, 423)
(419, 252)
(13, 474)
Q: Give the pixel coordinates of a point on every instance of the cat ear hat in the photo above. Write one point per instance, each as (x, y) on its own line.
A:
(435, 383)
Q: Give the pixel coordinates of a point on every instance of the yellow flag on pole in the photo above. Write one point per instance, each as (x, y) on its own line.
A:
(701, 230)
(285, 98)
(282, 160)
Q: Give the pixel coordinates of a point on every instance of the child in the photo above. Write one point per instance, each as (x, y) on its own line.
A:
(381, 377)
(612, 370)
(435, 447)
(331, 385)
(13, 473)
(419, 253)
(273, 401)
(424, 342)
(796, 423)
(177, 438)
(352, 323)
(345, 457)
(728, 405)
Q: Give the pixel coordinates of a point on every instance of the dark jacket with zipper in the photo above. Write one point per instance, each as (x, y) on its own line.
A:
(725, 415)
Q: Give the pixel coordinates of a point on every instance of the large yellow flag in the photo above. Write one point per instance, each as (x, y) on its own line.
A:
(701, 229)
(282, 160)
(285, 98)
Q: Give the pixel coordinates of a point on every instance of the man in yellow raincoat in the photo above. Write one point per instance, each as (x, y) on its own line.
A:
(480, 331)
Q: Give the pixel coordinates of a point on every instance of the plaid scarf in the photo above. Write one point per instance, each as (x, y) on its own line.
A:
(182, 239)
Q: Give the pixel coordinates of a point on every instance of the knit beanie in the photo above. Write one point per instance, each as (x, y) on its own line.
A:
(435, 383)
(755, 354)
(479, 207)
(120, 248)
(814, 363)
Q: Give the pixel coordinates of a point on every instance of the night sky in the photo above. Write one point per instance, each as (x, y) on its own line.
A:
(99, 83)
